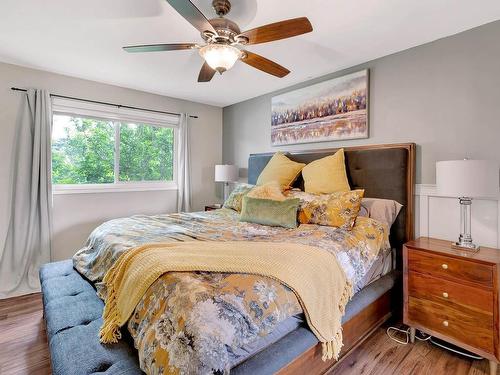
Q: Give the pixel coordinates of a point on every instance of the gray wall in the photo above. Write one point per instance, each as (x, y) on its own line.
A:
(75, 215)
(444, 96)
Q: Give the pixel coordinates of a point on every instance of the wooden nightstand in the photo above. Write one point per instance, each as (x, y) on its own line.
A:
(213, 207)
(453, 295)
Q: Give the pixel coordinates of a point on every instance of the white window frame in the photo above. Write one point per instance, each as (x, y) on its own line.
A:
(61, 106)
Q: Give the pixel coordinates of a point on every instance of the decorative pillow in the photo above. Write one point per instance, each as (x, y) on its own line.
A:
(234, 200)
(271, 190)
(270, 212)
(335, 210)
(326, 175)
(280, 169)
(383, 210)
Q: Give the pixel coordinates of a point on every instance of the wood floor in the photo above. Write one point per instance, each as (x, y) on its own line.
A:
(23, 342)
(23, 349)
(379, 355)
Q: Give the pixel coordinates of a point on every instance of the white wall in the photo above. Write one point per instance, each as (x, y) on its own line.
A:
(439, 216)
(77, 214)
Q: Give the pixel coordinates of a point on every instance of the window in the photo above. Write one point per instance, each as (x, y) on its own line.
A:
(146, 153)
(102, 148)
(83, 150)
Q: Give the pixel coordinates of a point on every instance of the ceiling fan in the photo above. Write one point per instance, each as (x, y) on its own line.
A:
(223, 39)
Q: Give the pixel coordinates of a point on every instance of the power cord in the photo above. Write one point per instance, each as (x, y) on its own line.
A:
(406, 332)
(429, 338)
(454, 349)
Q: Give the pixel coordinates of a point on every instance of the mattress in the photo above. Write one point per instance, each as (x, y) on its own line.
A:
(382, 266)
(291, 346)
(194, 322)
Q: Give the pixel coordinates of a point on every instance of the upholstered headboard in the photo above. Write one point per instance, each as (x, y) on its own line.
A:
(384, 171)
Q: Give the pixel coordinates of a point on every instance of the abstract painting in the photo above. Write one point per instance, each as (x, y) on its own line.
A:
(332, 110)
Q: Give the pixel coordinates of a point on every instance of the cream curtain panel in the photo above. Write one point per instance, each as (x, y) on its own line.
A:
(184, 166)
(27, 242)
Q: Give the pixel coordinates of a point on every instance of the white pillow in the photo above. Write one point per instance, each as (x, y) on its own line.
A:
(383, 210)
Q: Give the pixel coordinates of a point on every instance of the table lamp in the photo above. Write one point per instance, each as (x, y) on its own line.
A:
(226, 173)
(467, 179)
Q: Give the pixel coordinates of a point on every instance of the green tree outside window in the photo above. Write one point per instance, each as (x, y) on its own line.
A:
(83, 151)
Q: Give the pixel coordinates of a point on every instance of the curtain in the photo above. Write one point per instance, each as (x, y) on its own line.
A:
(183, 172)
(27, 241)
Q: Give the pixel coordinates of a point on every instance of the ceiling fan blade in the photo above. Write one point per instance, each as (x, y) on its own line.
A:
(206, 73)
(278, 30)
(160, 47)
(192, 14)
(266, 65)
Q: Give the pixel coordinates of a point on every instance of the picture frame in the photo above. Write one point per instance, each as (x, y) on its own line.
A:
(332, 110)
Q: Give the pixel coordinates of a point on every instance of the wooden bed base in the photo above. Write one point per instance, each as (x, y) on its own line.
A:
(355, 331)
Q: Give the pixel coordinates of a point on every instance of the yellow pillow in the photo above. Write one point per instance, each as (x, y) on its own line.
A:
(334, 210)
(280, 169)
(326, 175)
(271, 190)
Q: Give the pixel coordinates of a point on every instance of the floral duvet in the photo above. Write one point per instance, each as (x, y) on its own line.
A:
(193, 322)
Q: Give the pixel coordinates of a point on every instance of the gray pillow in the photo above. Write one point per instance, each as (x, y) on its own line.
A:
(383, 210)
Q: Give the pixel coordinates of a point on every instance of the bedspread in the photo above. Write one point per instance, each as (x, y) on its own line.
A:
(192, 322)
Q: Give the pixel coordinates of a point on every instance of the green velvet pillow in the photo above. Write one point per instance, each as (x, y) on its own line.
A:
(270, 212)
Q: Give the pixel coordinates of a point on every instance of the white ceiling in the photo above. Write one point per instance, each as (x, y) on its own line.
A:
(84, 39)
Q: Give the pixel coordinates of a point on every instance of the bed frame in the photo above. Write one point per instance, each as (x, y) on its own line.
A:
(384, 171)
(73, 311)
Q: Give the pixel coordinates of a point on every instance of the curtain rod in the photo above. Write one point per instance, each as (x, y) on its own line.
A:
(106, 103)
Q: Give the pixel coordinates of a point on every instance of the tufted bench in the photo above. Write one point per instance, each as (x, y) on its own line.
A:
(73, 317)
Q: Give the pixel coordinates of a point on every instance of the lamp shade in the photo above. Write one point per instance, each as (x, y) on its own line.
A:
(467, 178)
(220, 57)
(226, 173)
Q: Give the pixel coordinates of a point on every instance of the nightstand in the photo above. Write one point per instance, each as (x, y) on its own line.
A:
(453, 295)
(213, 207)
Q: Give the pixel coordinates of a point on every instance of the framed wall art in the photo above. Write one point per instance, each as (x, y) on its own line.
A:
(332, 110)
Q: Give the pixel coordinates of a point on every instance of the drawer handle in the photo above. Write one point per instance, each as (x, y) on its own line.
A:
(445, 266)
(445, 323)
(445, 295)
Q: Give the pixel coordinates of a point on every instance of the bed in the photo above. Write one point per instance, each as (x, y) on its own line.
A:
(384, 171)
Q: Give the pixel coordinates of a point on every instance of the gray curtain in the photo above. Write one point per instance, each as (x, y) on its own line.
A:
(184, 166)
(27, 243)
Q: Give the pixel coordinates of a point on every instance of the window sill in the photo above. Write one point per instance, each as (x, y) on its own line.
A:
(111, 188)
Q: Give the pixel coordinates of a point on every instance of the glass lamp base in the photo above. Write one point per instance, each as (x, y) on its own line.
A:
(465, 239)
(465, 246)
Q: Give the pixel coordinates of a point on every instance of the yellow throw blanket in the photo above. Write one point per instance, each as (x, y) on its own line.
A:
(313, 274)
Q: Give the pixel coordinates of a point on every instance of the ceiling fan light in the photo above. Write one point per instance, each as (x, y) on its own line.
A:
(220, 57)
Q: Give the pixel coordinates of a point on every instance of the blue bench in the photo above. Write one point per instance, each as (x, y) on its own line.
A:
(73, 313)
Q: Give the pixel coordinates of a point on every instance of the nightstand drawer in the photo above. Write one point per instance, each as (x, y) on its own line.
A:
(450, 293)
(474, 329)
(450, 268)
